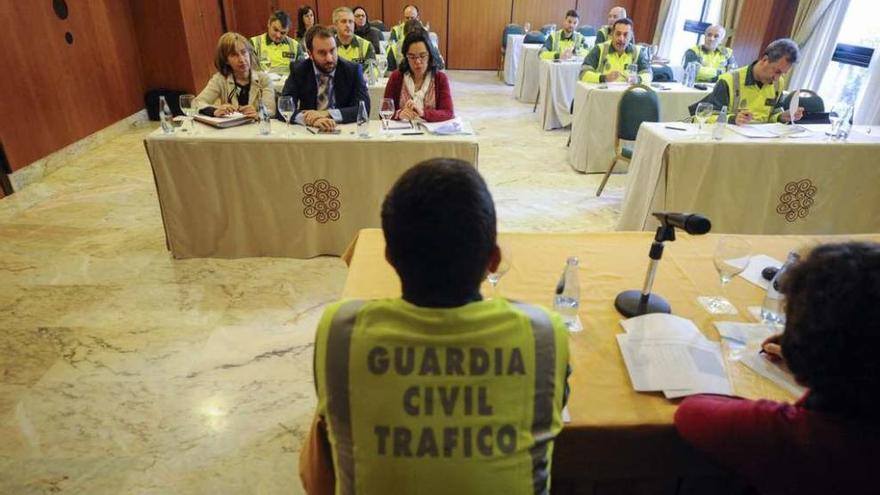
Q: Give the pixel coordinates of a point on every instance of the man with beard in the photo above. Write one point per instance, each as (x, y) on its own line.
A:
(609, 61)
(325, 89)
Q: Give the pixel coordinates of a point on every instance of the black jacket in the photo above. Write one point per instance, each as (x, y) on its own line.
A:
(349, 88)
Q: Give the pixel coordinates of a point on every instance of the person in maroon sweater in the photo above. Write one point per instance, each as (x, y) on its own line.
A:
(418, 89)
(829, 441)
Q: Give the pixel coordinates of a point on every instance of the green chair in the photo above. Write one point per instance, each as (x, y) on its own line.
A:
(638, 104)
(587, 30)
(811, 101)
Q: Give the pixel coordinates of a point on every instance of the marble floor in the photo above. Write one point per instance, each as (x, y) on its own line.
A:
(123, 371)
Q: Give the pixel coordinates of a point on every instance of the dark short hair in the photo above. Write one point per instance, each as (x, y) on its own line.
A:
(416, 36)
(623, 20)
(282, 17)
(832, 328)
(317, 31)
(300, 25)
(573, 13)
(411, 25)
(439, 225)
(367, 15)
(783, 48)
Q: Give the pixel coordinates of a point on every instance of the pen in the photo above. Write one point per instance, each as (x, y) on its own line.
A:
(674, 128)
(412, 133)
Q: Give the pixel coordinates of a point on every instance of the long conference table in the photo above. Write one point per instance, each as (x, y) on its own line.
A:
(618, 440)
(557, 81)
(525, 89)
(233, 193)
(782, 185)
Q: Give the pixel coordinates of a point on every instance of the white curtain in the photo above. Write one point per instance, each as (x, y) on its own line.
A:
(666, 27)
(731, 11)
(868, 111)
(816, 53)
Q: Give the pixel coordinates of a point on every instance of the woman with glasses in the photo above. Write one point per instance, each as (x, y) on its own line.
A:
(419, 90)
(363, 29)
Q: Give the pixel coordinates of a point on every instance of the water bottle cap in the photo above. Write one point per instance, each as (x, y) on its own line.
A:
(572, 260)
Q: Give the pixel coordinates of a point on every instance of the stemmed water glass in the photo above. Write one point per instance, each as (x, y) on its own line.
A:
(838, 111)
(732, 255)
(189, 108)
(704, 111)
(287, 107)
(386, 111)
(503, 267)
(382, 63)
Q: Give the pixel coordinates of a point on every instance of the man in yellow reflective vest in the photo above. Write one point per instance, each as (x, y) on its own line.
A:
(350, 46)
(610, 61)
(274, 49)
(566, 42)
(753, 94)
(410, 13)
(603, 34)
(439, 391)
(713, 58)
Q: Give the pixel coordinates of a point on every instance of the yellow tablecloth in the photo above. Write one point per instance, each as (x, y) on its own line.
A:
(804, 185)
(233, 194)
(616, 437)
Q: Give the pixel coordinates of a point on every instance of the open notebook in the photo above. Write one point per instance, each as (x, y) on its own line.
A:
(230, 120)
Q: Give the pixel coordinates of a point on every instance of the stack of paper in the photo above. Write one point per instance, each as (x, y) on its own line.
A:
(229, 120)
(668, 353)
(454, 126)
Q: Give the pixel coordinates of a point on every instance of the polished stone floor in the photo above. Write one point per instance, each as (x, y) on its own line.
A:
(123, 371)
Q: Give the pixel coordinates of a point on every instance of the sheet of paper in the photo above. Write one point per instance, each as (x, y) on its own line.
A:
(566, 416)
(397, 125)
(447, 127)
(758, 131)
(661, 326)
(744, 333)
(755, 312)
(654, 366)
(711, 377)
(758, 262)
(772, 372)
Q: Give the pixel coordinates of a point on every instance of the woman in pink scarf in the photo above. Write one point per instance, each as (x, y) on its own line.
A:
(419, 90)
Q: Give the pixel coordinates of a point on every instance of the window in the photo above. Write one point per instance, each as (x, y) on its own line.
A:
(847, 75)
(692, 17)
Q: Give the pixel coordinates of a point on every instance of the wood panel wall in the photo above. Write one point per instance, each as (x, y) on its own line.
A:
(326, 7)
(644, 14)
(56, 93)
(249, 17)
(474, 33)
(595, 12)
(435, 12)
(761, 22)
(541, 12)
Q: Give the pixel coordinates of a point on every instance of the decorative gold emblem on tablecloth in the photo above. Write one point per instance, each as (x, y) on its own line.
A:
(797, 199)
(321, 201)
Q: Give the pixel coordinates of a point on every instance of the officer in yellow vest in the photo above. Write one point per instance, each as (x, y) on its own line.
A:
(753, 94)
(394, 54)
(439, 391)
(274, 49)
(610, 61)
(410, 13)
(603, 34)
(350, 46)
(565, 42)
(714, 59)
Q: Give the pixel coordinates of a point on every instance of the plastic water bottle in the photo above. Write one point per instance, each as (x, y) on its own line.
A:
(265, 122)
(568, 295)
(690, 74)
(363, 120)
(165, 117)
(844, 124)
(773, 308)
(372, 78)
(720, 124)
(632, 74)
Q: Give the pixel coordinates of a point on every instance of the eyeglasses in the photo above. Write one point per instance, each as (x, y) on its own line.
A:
(420, 57)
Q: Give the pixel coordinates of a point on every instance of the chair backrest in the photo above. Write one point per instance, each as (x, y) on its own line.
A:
(510, 29)
(638, 104)
(809, 99)
(587, 30)
(662, 73)
(535, 38)
(546, 28)
(378, 24)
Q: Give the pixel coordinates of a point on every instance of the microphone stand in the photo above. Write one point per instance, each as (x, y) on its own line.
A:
(631, 303)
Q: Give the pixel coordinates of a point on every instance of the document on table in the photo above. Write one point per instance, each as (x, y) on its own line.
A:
(447, 127)
(773, 372)
(756, 265)
(743, 333)
(763, 131)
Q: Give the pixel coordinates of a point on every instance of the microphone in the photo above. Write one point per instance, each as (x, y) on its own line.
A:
(692, 223)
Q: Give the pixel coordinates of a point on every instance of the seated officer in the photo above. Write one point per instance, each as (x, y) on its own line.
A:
(603, 34)
(609, 61)
(350, 46)
(395, 50)
(565, 42)
(714, 59)
(438, 391)
(275, 50)
(410, 13)
(752, 94)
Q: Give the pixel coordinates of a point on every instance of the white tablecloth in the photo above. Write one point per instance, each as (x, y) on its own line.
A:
(234, 194)
(595, 111)
(512, 56)
(526, 87)
(806, 185)
(558, 79)
(377, 92)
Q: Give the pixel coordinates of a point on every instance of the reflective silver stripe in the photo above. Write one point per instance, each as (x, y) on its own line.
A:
(545, 387)
(736, 95)
(338, 399)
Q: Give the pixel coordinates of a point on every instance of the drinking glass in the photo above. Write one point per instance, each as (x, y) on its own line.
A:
(189, 108)
(386, 111)
(503, 267)
(835, 115)
(382, 62)
(287, 107)
(731, 257)
(704, 111)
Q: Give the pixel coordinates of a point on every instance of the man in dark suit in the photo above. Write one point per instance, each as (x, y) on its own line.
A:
(326, 89)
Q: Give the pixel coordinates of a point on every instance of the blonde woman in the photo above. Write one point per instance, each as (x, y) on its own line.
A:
(237, 86)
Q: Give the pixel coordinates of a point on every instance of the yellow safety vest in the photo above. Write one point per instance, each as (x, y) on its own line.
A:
(612, 61)
(396, 33)
(276, 57)
(711, 63)
(559, 45)
(604, 34)
(462, 400)
(359, 51)
(760, 101)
